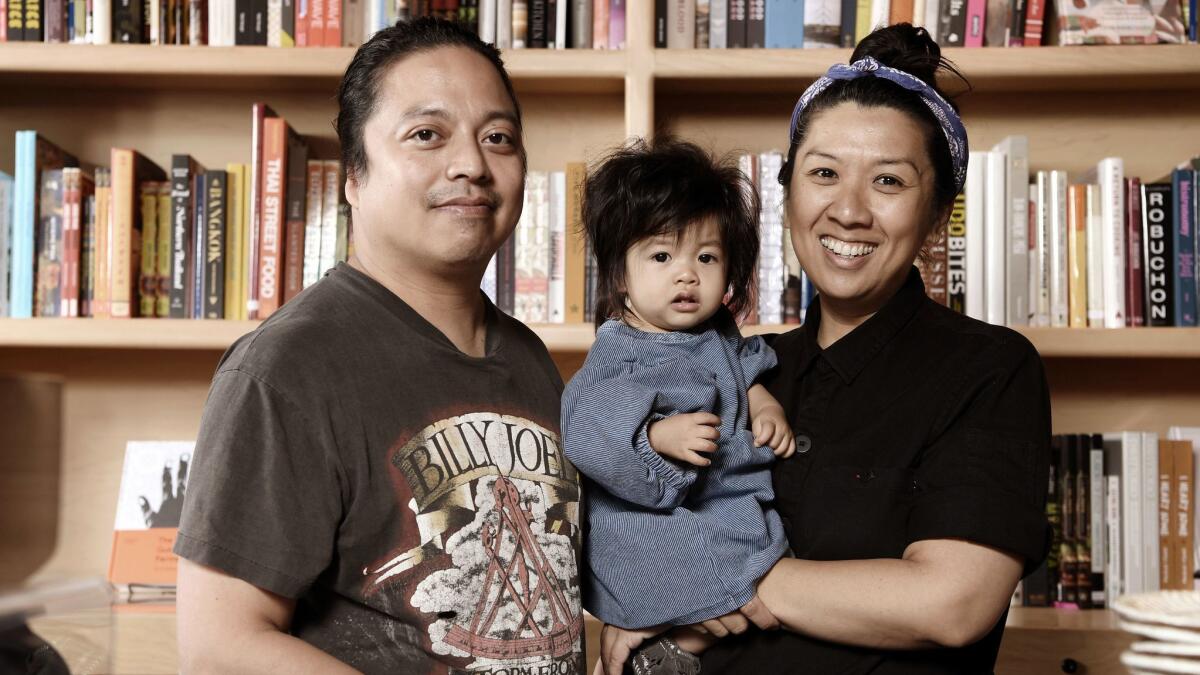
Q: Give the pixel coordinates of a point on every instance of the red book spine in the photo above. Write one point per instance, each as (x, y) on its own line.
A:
(69, 282)
(333, 23)
(1035, 11)
(302, 16)
(1135, 289)
(316, 23)
(270, 248)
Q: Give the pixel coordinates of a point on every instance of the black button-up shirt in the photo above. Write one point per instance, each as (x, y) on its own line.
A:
(919, 424)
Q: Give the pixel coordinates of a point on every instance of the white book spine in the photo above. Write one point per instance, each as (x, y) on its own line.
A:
(560, 24)
(933, 15)
(718, 24)
(1059, 272)
(274, 22)
(1131, 510)
(1109, 174)
(1095, 253)
(329, 204)
(976, 188)
(487, 19)
(101, 23)
(558, 243)
(1150, 509)
(313, 213)
(504, 31)
(1096, 508)
(1114, 579)
(155, 22)
(1040, 285)
(995, 247)
(880, 10)
(6, 219)
(1016, 148)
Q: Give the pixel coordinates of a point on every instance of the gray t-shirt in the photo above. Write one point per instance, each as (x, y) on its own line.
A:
(414, 500)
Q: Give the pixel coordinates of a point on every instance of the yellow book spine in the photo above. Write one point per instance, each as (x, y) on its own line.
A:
(1077, 255)
(233, 251)
(162, 304)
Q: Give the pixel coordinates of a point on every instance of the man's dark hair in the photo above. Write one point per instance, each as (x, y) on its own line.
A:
(663, 187)
(359, 91)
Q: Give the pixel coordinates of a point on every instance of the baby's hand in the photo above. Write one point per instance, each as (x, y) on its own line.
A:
(771, 428)
(681, 437)
(769, 423)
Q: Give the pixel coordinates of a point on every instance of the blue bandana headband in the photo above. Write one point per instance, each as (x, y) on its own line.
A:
(952, 126)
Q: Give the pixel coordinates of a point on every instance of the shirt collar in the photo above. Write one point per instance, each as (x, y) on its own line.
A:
(849, 355)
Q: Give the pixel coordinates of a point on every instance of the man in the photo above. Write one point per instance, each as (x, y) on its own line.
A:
(378, 483)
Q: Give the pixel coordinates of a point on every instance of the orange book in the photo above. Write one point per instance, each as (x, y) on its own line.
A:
(901, 11)
(574, 272)
(129, 169)
(1185, 474)
(149, 503)
(1077, 256)
(101, 284)
(270, 236)
(600, 22)
(333, 23)
(316, 23)
(1167, 546)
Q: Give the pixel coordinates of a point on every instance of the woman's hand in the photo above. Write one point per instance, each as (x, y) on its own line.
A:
(681, 436)
(737, 622)
(769, 423)
(616, 646)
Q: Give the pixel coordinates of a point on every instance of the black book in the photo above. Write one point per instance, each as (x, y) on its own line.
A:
(537, 24)
(288, 23)
(183, 168)
(1040, 585)
(214, 245)
(1081, 451)
(1158, 240)
(952, 28)
(849, 22)
(244, 22)
(199, 232)
(552, 36)
(1016, 26)
(735, 26)
(16, 21)
(260, 22)
(1067, 563)
(756, 24)
(35, 11)
(128, 21)
(1096, 520)
(660, 24)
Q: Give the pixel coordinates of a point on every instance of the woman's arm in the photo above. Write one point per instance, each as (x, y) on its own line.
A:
(943, 592)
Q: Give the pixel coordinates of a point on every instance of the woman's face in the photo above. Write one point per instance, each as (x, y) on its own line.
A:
(860, 204)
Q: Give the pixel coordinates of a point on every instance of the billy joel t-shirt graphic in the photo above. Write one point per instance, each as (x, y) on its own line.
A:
(496, 507)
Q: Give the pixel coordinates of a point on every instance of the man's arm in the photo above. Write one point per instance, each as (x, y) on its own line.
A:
(227, 625)
(943, 592)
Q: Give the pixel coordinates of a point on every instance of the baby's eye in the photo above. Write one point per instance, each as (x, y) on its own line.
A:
(660, 257)
(707, 258)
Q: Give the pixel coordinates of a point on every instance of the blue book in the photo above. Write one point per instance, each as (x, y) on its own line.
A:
(785, 24)
(6, 214)
(33, 155)
(1184, 211)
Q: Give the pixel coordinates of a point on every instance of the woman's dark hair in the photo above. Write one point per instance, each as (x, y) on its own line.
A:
(903, 47)
(646, 189)
(359, 90)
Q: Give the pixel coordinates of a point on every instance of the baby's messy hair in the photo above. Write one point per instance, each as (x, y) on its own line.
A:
(646, 189)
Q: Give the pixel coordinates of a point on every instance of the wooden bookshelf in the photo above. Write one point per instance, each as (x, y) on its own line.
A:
(147, 379)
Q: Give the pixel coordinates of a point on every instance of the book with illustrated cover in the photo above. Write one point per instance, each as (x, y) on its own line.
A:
(149, 504)
(1107, 22)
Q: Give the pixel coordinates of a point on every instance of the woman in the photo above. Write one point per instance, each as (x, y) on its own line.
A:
(915, 501)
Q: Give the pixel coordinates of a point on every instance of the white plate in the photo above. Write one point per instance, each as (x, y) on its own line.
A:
(1163, 633)
(1177, 649)
(1160, 664)
(1171, 608)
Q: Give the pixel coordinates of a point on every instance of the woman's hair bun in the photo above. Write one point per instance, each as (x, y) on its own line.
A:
(904, 47)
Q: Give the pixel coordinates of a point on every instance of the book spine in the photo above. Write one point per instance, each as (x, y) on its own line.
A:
(148, 267)
(164, 250)
(1067, 563)
(196, 269)
(243, 34)
(274, 23)
(581, 24)
(234, 206)
(214, 245)
(295, 196)
(506, 275)
(1111, 173)
(55, 21)
(976, 222)
(504, 24)
(1035, 12)
(333, 23)
(1016, 149)
(995, 244)
(1135, 277)
(123, 189)
(1131, 514)
(102, 272)
(616, 24)
(574, 274)
(35, 27)
(329, 208)
(557, 207)
(1095, 248)
(520, 24)
(600, 23)
(316, 23)
(783, 18)
(1096, 515)
(537, 24)
(258, 114)
(953, 24)
(1081, 448)
(127, 21)
(1159, 243)
(313, 212)
(1183, 265)
(756, 23)
(7, 209)
(1149, 525)
(287, 20)
(933, 272)
(1167, 514)
(1077, 254)
(48, 294)
(301, 22)
(1184, 462)
(181, 226)
(1016, 24)
(14, 14)
(87, 258)
(1057, 222)
(72, 228)
(956, 256)
(270, 286)
(1114, 573)
(197, 22)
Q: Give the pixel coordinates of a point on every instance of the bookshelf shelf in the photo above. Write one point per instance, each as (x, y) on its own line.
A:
(1134, 343)
(1126, 67)
(259, 68)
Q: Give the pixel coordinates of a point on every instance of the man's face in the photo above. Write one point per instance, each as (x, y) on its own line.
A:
(445, 168)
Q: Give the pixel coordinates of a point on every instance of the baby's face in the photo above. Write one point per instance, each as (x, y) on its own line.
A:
(675, 284)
